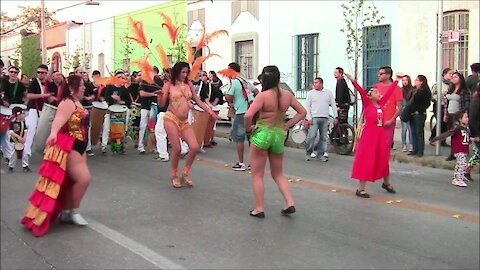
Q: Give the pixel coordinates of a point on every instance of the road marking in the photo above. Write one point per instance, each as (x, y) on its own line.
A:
(377, 198)
(135, 247)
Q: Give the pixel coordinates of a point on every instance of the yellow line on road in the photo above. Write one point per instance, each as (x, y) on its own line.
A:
(376, 198)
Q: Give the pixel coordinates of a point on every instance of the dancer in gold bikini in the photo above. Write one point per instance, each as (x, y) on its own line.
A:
(179, 91)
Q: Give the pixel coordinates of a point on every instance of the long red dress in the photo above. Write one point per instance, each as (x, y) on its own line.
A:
(372, 155)
(47, 200)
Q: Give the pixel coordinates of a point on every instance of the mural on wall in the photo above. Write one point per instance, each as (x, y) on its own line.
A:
(126, 51)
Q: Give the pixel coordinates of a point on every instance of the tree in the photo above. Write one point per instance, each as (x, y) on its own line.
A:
(28, 19)
(30, 55)
(179, 51)
(75, 60)
(16, 58)
(357, 16)
(127, 50)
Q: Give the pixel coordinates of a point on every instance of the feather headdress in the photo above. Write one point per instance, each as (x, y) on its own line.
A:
(206, 38)
(145, 68)
(198, 65)
(171, 28)
(109, 80)
(163, 56)
(139, 35)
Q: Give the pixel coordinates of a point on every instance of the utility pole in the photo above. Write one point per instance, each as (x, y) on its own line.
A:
(439, 75)
(44, 34)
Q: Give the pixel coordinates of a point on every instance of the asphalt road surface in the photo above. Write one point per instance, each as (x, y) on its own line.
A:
(138, 221)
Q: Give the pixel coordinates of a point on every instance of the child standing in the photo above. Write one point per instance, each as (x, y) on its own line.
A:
(460, 142)
(18, 134)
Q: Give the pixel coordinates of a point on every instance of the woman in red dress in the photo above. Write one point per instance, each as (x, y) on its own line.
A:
(371, 154)
(64, 173)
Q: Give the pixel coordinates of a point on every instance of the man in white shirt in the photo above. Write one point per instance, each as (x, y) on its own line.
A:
(318, 105)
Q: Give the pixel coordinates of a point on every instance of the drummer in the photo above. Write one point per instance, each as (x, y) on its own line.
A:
(114, 94)
(210, 95)
(134, 96)
(17, 134)
(97, 88)
(148, 93)
(37, 94)
(55, 87)
(86, 102)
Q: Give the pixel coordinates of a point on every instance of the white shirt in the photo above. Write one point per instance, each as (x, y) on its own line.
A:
(318, 103)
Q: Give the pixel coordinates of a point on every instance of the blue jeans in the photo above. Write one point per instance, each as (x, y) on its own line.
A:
(318, 124)
(418, 125)
(406, 128)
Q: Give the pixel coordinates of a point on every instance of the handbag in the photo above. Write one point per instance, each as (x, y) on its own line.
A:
(407, 113)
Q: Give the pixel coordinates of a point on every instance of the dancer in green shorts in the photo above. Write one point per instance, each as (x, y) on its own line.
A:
(268, 137)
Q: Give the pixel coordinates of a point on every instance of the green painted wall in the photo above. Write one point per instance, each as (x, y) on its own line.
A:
(152, 25)
(31, 55)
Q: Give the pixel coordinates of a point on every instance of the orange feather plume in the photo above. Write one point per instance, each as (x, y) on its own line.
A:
(137, 27)
(229, 73)
(198, 65)
(145, 68)
(163, 56)
(189, 52)
(109, 80)
(206, 38)
(171, 28)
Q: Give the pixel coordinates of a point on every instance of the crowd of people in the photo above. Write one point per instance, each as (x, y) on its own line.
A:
(165, 107)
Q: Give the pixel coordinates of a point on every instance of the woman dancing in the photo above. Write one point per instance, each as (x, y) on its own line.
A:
(64, 173)
(179, 91)
(372, 154)
(267, 139)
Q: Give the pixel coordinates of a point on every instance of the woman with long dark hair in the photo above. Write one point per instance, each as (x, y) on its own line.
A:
(64, 173)
(458, 99)
(420, 103)
(267, 139)
(407, 93)
(179, 91)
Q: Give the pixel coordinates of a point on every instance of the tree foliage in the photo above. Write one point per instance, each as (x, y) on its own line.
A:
(31, 55)
(357, 15)
(75, 60)
(29, 18)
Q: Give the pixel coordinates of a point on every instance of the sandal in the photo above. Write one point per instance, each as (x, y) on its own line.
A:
(176, 182)
(187, 180)
(362, 194)
(388, 188)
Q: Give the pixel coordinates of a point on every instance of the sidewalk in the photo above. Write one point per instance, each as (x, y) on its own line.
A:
(429, 159)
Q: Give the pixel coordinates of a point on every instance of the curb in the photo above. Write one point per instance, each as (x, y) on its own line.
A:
(398, 157)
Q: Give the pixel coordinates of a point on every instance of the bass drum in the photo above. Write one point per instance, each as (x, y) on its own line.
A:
(5, 120)
(199, 124)
(118, 120)
(43, 127)
(98, 115)
(299, 134)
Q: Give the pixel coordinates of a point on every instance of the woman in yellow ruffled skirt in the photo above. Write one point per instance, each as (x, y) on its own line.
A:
(64, 174)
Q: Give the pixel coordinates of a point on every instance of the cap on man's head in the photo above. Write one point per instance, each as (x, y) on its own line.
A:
(17, 110)
(399, 75)
(13, 67)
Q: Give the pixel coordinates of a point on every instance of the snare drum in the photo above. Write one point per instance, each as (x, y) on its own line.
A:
(98, 115)
(19, 149)
(118, 115)
(299, 134)
(5, 120)
(43, 127)
(152, 117)
(199, 124)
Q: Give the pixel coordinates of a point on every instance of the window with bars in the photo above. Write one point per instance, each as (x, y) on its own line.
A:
(307, 61)
(244, 57)
(455, 54)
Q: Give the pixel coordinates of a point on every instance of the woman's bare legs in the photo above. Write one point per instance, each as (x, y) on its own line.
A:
(361, 185)
(174, 138)
(79, 174)
(189, 137)
(258, 159)
(276, 168)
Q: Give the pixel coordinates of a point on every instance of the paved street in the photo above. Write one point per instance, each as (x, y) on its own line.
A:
(138, 221)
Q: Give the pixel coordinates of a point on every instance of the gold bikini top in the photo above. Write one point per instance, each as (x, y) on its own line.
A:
(175, 96)
(77, 124)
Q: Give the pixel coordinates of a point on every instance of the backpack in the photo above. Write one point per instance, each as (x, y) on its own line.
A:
(246, 90)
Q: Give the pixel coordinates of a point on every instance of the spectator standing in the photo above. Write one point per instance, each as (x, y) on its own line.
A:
(407, 93)
(442, 90)
(420, 103)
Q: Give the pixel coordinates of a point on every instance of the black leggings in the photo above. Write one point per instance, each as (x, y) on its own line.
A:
(79, 146)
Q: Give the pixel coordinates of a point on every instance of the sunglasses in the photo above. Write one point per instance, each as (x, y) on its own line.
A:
(41, 72)
(14, 72)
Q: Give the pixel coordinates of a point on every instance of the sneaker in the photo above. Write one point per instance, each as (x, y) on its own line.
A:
(410, 149)
(141, 149)
(404, 148)
(78, 219)
(90, 153)
(324, 158)
(10, 170)
(238, 167)
(307, 157)
(26, 169)
(163, 159)
(458, 183)
(104, 150)
(313, 155)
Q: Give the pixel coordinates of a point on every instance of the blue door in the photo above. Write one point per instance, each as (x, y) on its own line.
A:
(376, 52)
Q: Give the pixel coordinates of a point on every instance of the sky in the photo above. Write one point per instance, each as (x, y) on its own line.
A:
(106, 9)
